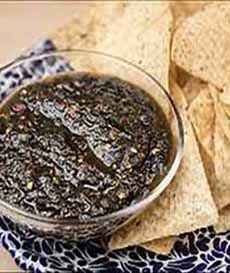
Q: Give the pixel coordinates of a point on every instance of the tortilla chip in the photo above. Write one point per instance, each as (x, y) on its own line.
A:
(202, 115)
(187, 203)
(224, 118)
(142, 36)
(222, 161)
(208, 118)
(225, 96)
(187, 8)
(75, 34)
(192, 88)
(224, 220)
(86, 31)
(201, 44)
(183, 9)
(227, 109)
(162, 246)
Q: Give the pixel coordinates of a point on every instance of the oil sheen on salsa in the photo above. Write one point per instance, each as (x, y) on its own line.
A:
(80, 145)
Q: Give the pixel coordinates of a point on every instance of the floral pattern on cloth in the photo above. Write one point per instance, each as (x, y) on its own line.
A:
(202, 251)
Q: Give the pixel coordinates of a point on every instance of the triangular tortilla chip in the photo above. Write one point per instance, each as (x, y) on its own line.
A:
(227, 110)
(162, 246)
(86, 31)
(224, 118)
(202, 115)
(206, 113)
(222, 160)
(192, 88)
(187, 203)
(142, 36)
(75, 34)
(225, 96)
(201, 44)
(224, 220)
(183, 9)
(7, 263)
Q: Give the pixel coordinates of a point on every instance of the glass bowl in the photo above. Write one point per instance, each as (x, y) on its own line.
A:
(31, 69)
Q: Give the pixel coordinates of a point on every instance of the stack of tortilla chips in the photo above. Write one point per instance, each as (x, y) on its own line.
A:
(186, 46)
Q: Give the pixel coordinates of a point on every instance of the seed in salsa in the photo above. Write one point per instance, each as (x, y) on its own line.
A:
(81, 145)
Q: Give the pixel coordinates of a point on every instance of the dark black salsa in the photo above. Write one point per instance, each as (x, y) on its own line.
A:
(80, 145)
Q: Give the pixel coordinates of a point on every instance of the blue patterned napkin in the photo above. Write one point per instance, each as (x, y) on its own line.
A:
(202, 251)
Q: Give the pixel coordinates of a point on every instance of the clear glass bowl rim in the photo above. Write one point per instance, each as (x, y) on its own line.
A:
(132, 209)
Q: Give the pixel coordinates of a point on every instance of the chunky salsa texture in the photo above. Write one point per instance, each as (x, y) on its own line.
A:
(80, 145)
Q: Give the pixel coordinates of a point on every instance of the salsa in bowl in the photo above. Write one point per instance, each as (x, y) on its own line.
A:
(85, 150)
